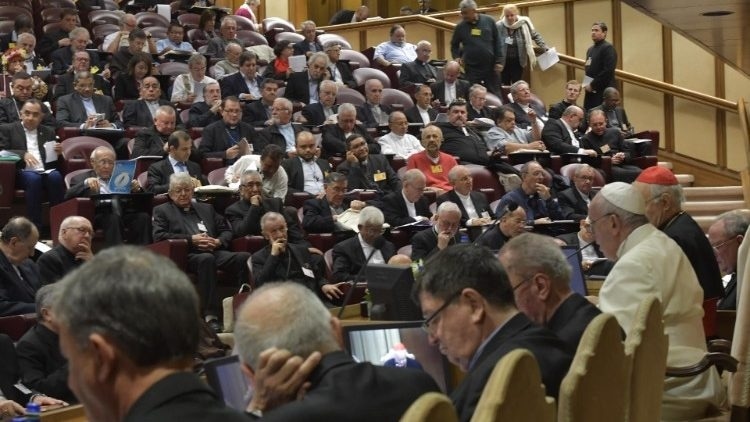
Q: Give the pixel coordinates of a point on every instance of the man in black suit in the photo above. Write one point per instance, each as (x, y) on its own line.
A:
(572, 92)
(152, 141)
(281, 132)
(259, 113)
(203, 113)
(208, 237)
(351, 255)
(475, 210)
(142, 112)
(10, 107)
(523, 105)
(609, 141)
(546, 298)
(306, 172)
(442, 234)
(372, 113)
(21, 24)
(601, 61)
(310, 44)
(302, 87)
(110, 215)
(41, 365)
(420, 71)
(224, 138)
(78, 109)
(615, 115)
(320, 215)
(62, 58)
(19, 275)
(349, 16)
(321, 112)
(450, 88)
(245, 84)
(245, 215)
(367, 171)
(27, 42)
(422, 112)
(335, 135)
(59, 38)
(477, 100)
(560, 136)
(372, 392)
(407, 205)
(574, 202)
(72, 250)
(511, 222)
(467, 299)
(593, 261)
(28, 139)
(179, 148)
(81, 63)
(726, 234)
(338, 71)
(137, 39)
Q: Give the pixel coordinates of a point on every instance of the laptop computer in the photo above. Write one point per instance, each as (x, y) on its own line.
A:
(577, 279)
(226, 378)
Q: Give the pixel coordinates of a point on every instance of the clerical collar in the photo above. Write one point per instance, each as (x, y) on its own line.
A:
(27, 129)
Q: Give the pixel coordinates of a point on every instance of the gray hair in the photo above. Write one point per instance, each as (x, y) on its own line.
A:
(394, 115)
(248, 173)
(369, 83)
(516, 86)
(198, 59)
(307, 24)
(165, 109)
(572, 110)
(83, 74)
(447, 207)
(226, 19)
(424, 43)
(46, 297)
(334, 177)
(78, 31)
(594, 112)
(284, 328)
(95, 153)
(318, 56)
(28, 35)
(327, 83)
(453, 173)
(674, 192)
(531, 253)
(232, 45)
(205, 87)
(18, 227)
(735, 221)
(268, 217)
(371, 216)
(347, 108)
(581, 168)
(467, 4)
(285, 103)
(412, 175)
(138, 300)
(476, 88)
(179, 179)
(69, 221)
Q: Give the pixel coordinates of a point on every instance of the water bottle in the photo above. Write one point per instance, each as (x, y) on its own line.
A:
(464, 238)
(33, 412)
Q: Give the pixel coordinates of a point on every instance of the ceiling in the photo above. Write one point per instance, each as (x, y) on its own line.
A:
(728, 36)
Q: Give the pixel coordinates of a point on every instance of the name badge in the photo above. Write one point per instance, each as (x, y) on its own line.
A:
(509, 40)
(436, 168)
(379, 176)
(588, 62)
(476, 32)
(202, 227)
(605, 148)
(308, 272)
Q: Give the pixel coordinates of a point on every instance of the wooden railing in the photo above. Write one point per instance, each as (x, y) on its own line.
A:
(745, 126)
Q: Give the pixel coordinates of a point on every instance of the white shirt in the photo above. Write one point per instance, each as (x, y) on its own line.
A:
(588, 253)
(252, 86)
(274, 186)
(410, 208)
(573, 139)
(424, 114)
(313, 176)
(32, 147)
(402, 146)
(124, 42)
(377, 257)
(466, 201)
(450, 92)
(185, 85)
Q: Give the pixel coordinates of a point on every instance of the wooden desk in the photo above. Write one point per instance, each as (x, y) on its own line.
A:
(73, 413)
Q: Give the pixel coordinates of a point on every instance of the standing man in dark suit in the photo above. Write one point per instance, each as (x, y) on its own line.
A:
(302, 87)
(349, 256)
(471, 293)
(726, 235)
(19, 275)
(245, 215)
(310, 44)
(259, 113)
(349, 16)
(477, 46)
(475, 210)
(203, 113)
(372, 113)
(35, 174)
(179, 148)
(321, 112)
(450, 88)
(442, 234)
(79, 108)
(10, 107)
(108, 215)
(208, 237)
(367, 171)
(338, 71)
(408, 205)
(81, 63)
(223, 138)
(574, 202)
(281, 132)
(546, 298)
(152, 141)
(335, 135)
(420, 71)
(560, 137)
(72, 250)
(373, 392)
(601, 61)
(305, 170)
(245, 84)
(422, 112)
(60, 38)
(62, 58)
(142, 111)
(320, 215)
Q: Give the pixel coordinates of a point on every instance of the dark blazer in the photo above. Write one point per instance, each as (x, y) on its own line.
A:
(317, 215)
(334, 142)
(493, 239)
(288, 266)
(62, 58)
(364, 178)
(234, 84)
(314, 113)
(413, 116)
(374, 393)
(78, 187)
(620, 114)
(167, 218)
(485, 112)
(216, 141)
(10, 109)
(71, 113)
(556, 110)
(571, 319)
(159, 172)
(42, 366)
(118, 62)
(296, 175)
(341, 17)
(245, 218)
(349, 257)
(424, 244)
(343, 68)
(272, 135)
(522, 119)
(200, 115)
(416, 72)
(517, 333)
(149, 142)
(729, 301)
(611, 138)
(17, 295)
(64, 85)
(48, 43)
(136, 113)
(365, 115)
(462, 90)
(469, 149)
(573, 206)
(303, 47)
(298, 87)
(56, 263)
(256, 113)
(556, 138)
(9, 373)
(394, 209)
(126, 87)
(477, 198)
(13, 139)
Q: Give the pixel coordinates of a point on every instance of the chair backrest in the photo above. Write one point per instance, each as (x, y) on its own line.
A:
(569, 170)
(277, 24)
(59, 4)
(144, 19)
(7, 26)
(485, 179)
(243, 23)
(363, 74)
(69, 176)
(216, 177)
(326, 38)
(647, 346)
(392, 97)
(12, 12)
(48, 15)
(289, 36)
(431, 407)
(143, 179)
(173, 68)
(76, 151)
(111, 5)
(158, 32)
(189, 20)
(597, 385)
(493, 100)
(515, 392)
(100, 31)
(98, 17)
(354, 57)
(349, 95)
(24, 4)
(251, 37)
(405, 250)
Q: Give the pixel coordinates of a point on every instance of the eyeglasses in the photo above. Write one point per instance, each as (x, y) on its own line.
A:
(250, 184)
(514, 288)
(427, 324)
(83, 230)
(720, 245)
(590, 228)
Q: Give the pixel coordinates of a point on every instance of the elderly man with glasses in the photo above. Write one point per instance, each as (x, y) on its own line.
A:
(73, 249)
(369, 247)
(726, 235)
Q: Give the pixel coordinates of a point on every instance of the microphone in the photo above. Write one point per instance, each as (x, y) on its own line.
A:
(575, 252)
(376, 245)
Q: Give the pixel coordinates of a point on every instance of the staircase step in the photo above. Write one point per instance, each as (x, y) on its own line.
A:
(704, 221)
(711, 208)
(685, 179)
(713, 193)
(666, 164)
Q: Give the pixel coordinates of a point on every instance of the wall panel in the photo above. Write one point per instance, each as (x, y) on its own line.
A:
(586, 13)
(693, 66)
(547, 21)
(641, 44)
(695, 130)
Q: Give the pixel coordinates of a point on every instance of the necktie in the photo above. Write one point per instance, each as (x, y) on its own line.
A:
(181, 167)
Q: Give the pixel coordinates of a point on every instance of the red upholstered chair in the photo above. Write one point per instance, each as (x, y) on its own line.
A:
(111, 5)
(355, 58)
(196, 37)
(144, 19)
(289, 36)
(493, 100)
(76, 152)
(216, 177)
(250, 244)
(405, 250)
(486, 182)
(157, 32)
(46, 4)
(189, 20)
(297, 199)
(243, 23)
(392, 97)
(363, 74)
(48, 15)
(83, 207)
(173, 68)
(349, 95)
(69, 177)
(326, 38)
(251, 37)
(15, 326)
(23, 4)
(99, 32)
(99, 17)
(143, 179)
